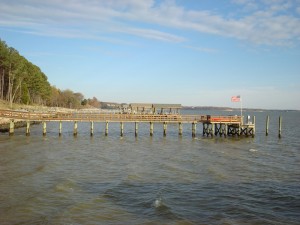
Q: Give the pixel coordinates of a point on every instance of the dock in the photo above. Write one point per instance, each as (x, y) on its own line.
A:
(211, 125)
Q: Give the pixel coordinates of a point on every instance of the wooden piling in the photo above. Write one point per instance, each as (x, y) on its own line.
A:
(217, 129)
(75, 128)
(44, 128)
(151, 128)
(11, 128)
(165, 128)
(28, 128)
(267, 125)
(122, 128)
(280, 123)
(92, 128)
(253, 126)
(60, 128)
(106, 128)
(180, 129)
(194, 124)
(136, 128)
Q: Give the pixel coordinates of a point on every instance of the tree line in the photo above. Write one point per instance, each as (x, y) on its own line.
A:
(23, 82)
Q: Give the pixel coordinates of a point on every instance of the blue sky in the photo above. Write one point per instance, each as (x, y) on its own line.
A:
(193, 52)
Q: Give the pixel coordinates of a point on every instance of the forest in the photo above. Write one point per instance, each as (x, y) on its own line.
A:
(24, 83)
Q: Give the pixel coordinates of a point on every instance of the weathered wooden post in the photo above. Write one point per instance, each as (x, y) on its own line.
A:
(44, 128)
(216, 129)
(151, 128)
(122, 128)
(136, 128)
(253, 125)
(28, 128)
(279, 130)
(239, 129)
(106, 128)
(194, 129)
(60, 128)
(11, 128)
(75, 128)
(92, 128)
(204, 129)
(180, 129)
(212, 129)
(165, 128)
(267, 125)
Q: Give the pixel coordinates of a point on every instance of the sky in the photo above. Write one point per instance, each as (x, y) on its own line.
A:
(190, 52)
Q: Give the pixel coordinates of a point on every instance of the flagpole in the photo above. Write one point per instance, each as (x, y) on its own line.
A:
(241, 108)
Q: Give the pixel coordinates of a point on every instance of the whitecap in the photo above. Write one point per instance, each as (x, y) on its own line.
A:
(252, 150)
(157, 203)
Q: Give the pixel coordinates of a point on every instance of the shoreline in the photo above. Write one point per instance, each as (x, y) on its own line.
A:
(5, 122)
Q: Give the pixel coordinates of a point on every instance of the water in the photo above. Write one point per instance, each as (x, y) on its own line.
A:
(151, 180)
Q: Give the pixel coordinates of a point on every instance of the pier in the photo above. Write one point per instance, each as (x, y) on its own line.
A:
(212, 125)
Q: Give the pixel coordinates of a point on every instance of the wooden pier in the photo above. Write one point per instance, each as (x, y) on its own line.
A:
(212, 125)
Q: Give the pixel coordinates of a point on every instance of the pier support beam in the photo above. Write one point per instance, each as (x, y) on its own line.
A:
(75, 129)
(180, 129)
(44, 128)
(106, 128)
(151, 128)
(11, 128)
(208, 129)
(234, 129)
(60, 128)
(267, 125)
(92, 128)
(136, 129)
(220, 129)
(28, 128)
(122, 129)
(194, 124)
(165, 128)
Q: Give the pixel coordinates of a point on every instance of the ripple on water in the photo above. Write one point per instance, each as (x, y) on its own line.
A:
(113, 180)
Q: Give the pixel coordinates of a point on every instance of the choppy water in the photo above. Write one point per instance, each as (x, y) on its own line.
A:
(144, 180)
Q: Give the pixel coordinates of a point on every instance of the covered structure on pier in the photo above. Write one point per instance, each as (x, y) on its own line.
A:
(166, 108)
(140, 108)
(146, 108)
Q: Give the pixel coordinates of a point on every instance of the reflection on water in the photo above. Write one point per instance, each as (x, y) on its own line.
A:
(149, 180)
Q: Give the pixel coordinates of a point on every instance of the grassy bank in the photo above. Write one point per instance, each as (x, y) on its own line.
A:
(4, 105)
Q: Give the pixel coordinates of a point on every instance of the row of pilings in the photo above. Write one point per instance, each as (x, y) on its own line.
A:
(209, 129)
(75, 130)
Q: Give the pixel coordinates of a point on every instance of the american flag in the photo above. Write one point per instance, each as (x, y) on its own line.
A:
(236, 98)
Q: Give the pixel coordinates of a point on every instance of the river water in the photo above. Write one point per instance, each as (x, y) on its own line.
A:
(151, 180)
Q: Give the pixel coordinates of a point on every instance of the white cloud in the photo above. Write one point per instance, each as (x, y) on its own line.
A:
(268, 23)
(152, 34)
